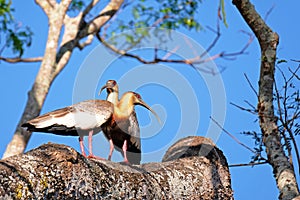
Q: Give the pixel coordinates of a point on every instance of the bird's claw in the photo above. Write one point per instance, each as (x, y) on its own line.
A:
(95, 157)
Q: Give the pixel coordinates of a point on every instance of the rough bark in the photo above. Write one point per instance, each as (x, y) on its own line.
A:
(56, 57)
(268, 41)
(194, 168)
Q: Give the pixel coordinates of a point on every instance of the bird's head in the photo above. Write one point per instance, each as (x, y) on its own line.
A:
(110, 86)
(133, 98)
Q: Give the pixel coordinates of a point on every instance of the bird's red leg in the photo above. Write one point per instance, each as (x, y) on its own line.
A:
(91, 143)
(111, 149)
(81, 146)
(124, 148)
(91, 155)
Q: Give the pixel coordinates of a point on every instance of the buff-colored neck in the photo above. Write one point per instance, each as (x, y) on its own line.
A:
(125, 107)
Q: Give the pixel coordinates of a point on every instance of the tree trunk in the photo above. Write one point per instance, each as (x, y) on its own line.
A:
(268, 41)
(55, 59)
(194, 168)
(43, 81)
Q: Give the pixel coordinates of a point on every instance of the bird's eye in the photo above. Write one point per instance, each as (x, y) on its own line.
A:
(138, 96)
(114, 82)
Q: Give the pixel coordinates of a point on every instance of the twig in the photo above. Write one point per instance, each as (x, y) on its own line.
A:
(252, 106)
(232, 136)
(269, 12)
(244, 109)
(283, 117)
(251, 85)
(294, 73)
(248, 164)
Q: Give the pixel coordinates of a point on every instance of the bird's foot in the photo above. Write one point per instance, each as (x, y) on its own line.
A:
(95, 157)
(126, 162)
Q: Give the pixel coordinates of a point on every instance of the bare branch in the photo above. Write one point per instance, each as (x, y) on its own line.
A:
(252, 111)
(283, 117)
(251, 85)
(248, 164)
(252, 106)
(232, 136)
(104, 16)
(88, 41)
(89, 7)
(196, 60)
(294, 73)
(269, 12)
(18, 60)
(214, 42)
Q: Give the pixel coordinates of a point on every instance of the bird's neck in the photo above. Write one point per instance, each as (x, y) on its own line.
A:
(124, 108)
(113, 97)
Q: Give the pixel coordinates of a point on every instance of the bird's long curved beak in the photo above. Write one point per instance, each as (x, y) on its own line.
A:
(104, 87)
(142, 103)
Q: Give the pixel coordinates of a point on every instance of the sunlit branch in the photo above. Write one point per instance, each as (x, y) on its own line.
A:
(18, 60)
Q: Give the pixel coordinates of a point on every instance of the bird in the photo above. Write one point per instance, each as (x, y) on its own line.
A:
(87, 118)
(131, 137)
(82, 119)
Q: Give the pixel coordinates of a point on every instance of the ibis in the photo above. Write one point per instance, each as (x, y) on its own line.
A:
(87, 118)
(128, 138)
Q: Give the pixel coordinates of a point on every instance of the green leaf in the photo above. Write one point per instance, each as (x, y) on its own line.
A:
(135, 13)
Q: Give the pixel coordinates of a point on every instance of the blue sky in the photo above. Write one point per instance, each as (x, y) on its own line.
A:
(182, 97)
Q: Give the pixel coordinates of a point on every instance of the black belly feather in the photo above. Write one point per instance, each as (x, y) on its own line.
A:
(118, 132)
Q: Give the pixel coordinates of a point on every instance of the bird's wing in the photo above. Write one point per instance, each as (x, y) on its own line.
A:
(134, 130)
(84, 115)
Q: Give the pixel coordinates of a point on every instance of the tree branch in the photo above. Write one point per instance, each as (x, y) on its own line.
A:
(104, 16)
(232, 136)
(248, 164)
(47, 6)
(268, 41)
(17, 59)
(197, 59)
(58, 171)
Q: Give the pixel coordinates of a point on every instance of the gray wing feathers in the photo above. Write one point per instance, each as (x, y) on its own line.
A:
(134, 130)
(84, 115)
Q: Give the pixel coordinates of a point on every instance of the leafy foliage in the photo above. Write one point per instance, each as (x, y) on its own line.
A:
(167, 14)
(15, 37)
(161, 14)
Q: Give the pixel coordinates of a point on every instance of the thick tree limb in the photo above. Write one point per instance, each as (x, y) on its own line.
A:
(193, 168)
(268, 41)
